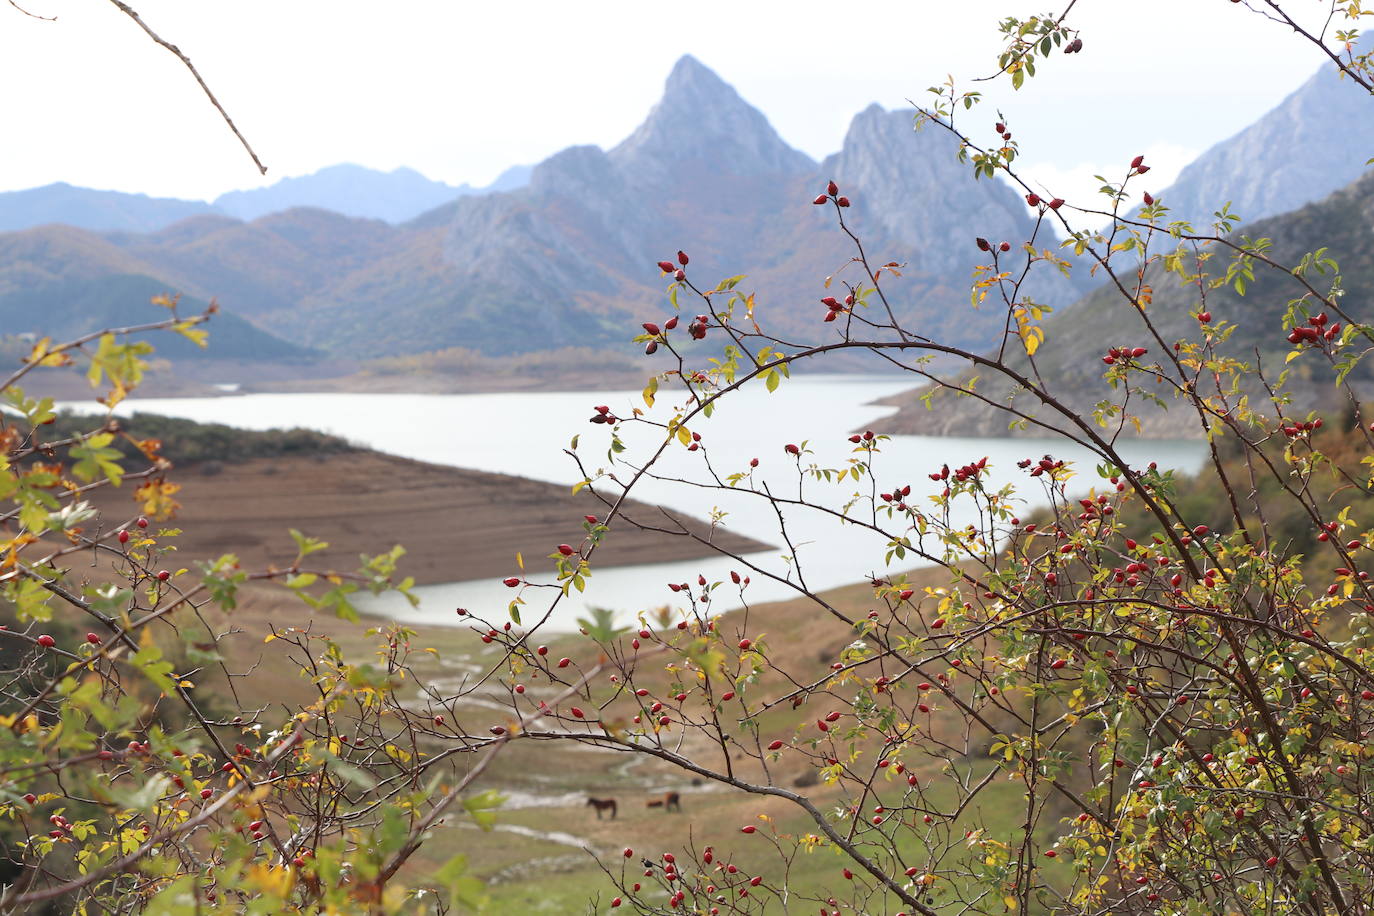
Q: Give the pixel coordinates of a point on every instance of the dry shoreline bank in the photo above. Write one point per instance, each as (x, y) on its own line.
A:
(455, 524)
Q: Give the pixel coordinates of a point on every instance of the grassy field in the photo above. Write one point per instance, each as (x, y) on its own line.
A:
(542, 854)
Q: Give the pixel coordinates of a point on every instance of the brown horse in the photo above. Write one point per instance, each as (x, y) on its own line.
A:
(671, 801)
(603, 804)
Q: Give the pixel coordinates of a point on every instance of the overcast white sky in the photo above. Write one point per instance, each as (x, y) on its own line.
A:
(459, 90)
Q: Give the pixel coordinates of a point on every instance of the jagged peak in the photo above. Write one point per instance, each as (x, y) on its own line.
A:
(690, 72)
(702, 117)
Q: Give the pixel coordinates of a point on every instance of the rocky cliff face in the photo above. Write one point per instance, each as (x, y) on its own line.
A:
(1316, 141)
(918, 192)
(702, 120)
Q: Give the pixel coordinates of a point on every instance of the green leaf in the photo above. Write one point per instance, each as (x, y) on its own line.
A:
(156, 668)
(307, 545)
(345, 770)
(481, 805)
(463, 889)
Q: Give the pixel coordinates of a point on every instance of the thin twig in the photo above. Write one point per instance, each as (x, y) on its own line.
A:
(32, 15)
(133, 14)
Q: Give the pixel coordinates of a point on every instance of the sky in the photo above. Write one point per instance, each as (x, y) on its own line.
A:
(461, 90)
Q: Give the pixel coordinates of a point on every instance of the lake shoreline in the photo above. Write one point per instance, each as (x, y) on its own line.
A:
(455, 524)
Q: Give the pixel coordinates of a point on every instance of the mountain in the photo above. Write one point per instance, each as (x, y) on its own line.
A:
(269, 266)
(517, 176)
(348, 189)
(567, 259)
(916, 203)
(1316, 141)
(101, 211)
(352, 190)
(701, 122)
(1076, 339)
(61, 282)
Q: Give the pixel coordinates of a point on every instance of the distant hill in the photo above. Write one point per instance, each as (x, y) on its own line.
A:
(268, 267)
(348, 189)
(1077, 338)
(1316, 141)
(62, 282)
(351, 190)
(100, 211)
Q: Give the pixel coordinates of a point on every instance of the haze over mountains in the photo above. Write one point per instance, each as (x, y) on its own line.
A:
(563, 254)
(1314, 142)
(352, 190)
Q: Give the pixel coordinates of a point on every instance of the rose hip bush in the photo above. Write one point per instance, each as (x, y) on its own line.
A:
(1151, 696)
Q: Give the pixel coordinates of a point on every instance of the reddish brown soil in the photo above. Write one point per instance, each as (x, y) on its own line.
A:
(455, 524)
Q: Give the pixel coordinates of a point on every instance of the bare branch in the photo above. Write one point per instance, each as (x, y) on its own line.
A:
(133, 14)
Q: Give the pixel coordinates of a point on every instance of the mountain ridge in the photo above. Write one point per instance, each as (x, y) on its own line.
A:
(1329, 119)
(566, 259)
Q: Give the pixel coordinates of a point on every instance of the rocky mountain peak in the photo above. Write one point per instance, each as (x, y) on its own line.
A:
(913, 184)
(701, 118)
(1315, 141)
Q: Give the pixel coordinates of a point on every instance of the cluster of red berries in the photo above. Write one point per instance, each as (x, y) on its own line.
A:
(1045, 464)
(865, 436)
(832, 192)
(1074, 46)
(1036, 200)
(1139, 167)
(655, 331)
(1300, 429)
(1093, 508)
(1116, 353)
(603, 415)
(668, 267)
(1313, 332)
(834, 307)
(984, 245)
(684, 587)
(967, 472)
(61, 826)
(896, 496)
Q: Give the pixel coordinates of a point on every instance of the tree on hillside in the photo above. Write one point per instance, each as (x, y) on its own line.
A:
(1152, 694)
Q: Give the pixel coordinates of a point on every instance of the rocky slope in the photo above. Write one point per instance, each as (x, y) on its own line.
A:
(1070, 361)
(1316, 141)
